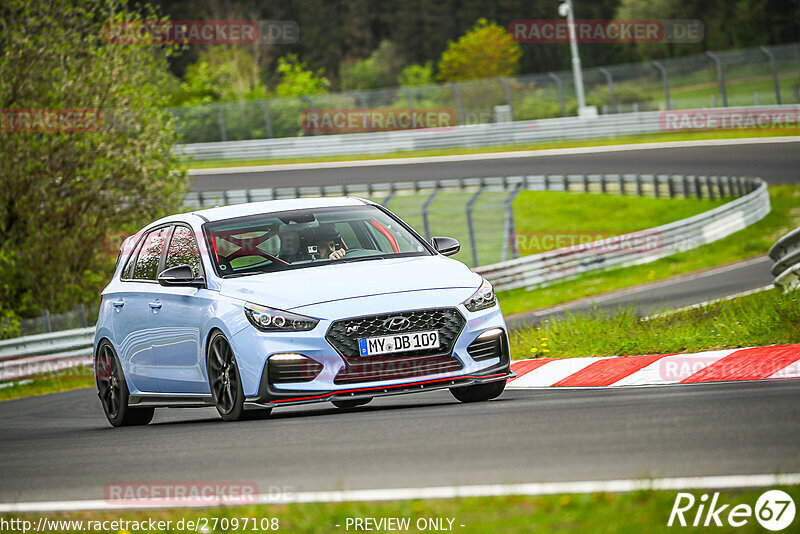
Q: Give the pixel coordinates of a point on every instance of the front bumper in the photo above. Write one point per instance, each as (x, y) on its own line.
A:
(253, 349)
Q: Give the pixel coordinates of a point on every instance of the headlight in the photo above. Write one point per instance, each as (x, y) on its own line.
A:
(483, 298)
(272, 320)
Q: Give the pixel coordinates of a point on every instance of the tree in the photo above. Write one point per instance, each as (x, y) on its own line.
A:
(417, 75)
(485, 51)
(67, 186)
(298, 80)
(380, 69)
(220, 74)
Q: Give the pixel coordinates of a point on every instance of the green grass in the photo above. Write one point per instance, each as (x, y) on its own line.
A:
(74, 378)
(542, 145)
(755, 240)
(612, 513)
(767, 318)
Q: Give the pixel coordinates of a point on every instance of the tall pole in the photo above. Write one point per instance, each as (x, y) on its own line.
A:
(576, 59)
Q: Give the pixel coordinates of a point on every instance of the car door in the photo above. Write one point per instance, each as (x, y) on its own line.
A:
(176, 325)
(132, 310)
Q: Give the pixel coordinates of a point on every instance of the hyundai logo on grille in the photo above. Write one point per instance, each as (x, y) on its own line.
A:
(396, 323)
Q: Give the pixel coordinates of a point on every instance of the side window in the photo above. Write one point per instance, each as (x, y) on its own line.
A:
(150, 254)
(127, 273)
(183, 250)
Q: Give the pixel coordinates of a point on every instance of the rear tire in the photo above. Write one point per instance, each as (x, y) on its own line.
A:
(480, 392)
(347, 404)
(224, 379)
(113, 390)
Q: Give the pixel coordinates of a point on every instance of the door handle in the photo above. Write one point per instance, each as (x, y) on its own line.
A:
(155, 305)
(118, 303)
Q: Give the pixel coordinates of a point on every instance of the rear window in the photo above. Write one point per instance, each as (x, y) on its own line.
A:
(149, 256)
(306, 238)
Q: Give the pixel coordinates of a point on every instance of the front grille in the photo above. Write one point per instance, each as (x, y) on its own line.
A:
(343, 335)
(486, 349)
(287, 371)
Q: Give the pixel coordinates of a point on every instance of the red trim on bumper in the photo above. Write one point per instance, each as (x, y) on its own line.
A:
(332, 393)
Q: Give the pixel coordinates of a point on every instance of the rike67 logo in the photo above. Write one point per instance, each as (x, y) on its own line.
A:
(774, 510)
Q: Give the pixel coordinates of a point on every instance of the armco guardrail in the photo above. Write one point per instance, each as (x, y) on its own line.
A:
(786, 254)
(25, 356)
(478, 135)
(639, 247)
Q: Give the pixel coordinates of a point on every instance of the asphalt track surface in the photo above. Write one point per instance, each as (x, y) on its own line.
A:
(777, 163)
(59, 446)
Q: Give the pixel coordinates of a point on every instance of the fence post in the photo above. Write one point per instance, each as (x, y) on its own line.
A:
(638, 185)
(307, 100)
(46, 320)
(507, 89)
(665, 81)
(720, 77)
(621, 185)
(409, 98)
(390, 196)
(510, 231)
(459, 104)
(267, 118)
(362, 105)
(470, 226)
(560, 86)
(425, 208)
(771, 58)
(610, 82)
(221, 118)
(585, 183)
(82, 315)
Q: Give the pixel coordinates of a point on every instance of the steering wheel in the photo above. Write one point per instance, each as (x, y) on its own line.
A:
(357, 253)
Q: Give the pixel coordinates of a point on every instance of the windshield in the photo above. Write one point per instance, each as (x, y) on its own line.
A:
(306, 238)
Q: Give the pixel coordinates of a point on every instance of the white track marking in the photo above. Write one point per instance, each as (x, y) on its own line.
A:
(492, 155)
(450, 492)
(552, 372)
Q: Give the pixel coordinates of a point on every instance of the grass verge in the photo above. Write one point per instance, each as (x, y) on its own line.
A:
(767, 318)
(541, 145)
(640, 511)
(41, 384)
(755, 240)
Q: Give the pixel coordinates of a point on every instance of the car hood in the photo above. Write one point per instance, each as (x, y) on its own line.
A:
(313, 285)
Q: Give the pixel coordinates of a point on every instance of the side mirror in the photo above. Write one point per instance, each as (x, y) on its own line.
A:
(446, 245)
(182, 276)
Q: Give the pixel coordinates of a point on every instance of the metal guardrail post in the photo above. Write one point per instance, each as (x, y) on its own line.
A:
(560, 87)
(425, 207)
(621, 184)
(267, 118)
(470, 225)
(665, 82)
(457, 91)
(710, 182)
(720, 77)
(46, 321)
(603, 183)
(638, 185)
(223, 132)
(510, 241)
(774, 68)
(82, 315)
(610, 82)
(507, 89)
(389, 196)
(585, 183)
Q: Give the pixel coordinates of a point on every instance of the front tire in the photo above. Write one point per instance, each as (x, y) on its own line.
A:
(480, 392)
(113, 390)
(224, 380)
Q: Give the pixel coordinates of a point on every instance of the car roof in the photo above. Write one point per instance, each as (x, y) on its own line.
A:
(271, 206)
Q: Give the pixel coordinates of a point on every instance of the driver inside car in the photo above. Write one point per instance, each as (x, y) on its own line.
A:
(328, 242)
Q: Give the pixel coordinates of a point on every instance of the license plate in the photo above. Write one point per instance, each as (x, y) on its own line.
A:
(372, 346)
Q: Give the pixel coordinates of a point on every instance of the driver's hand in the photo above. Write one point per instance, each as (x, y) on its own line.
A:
(337, 254)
